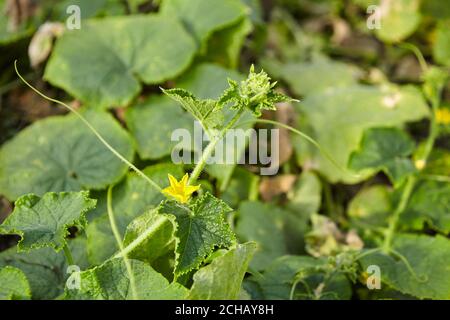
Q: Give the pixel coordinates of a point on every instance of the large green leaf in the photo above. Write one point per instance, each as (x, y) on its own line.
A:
(201, 227)
(399, 19)
(269, 227)
(156, 112)
(304, 199)
(207, 81)
(14, 284)
(429, 258)
(221, 280)
(131, 198)
(305, 196)
(117, 53)
(386, 149)
(277, 281)
(43, 222)
(347, 113)
(430, 203)
(110, 281)
(438, 162)
(61, 154)
(441, 46)
(219, 14)
(319, 74)
(90, 8)
(243, 184)
(370, 208)
(225, 47)
(45, 269)
(150, 236)
(436, 9)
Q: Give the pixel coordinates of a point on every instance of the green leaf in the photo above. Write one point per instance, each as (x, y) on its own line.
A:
(118, 53)
(304, 199)
(434, 79)
(399, 19)
(430, 202)
(222, 279)
(156, 112)
(386, 149)
(265, 224)
(43, 222)
(242, 184)
(317, 75)
(226, 45)
(277, 280)
(61, 154)
(110, 282)
(371, 207)
(131, 198)
(208, 112)
(219, 15)
(441, 46)
(89, 9)
(305, 196)
(153, 234)
(207, 80)
(201, 227)
(347, 113)
(438, 162)
(436, 9)
(45, 269)
(429, 258)
(14, 284)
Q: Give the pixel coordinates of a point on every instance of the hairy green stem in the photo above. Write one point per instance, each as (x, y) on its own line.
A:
(211, 146)
(68, 254)
(117, 236)
(94, 131)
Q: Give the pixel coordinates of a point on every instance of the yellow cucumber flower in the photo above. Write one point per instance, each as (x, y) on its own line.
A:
(443, 116)
(181, 191)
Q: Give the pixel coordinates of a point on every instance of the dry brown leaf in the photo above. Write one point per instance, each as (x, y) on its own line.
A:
(18, 12)
(408, 69)
(341, 31)
(30, 106)
(5, 209)
(274, 186)
(42, 42)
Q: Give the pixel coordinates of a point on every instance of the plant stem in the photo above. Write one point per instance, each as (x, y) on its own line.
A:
(254, 190)
(411, 181)
(115, 230)
(434, 131)
(211, 146)
(68, 255)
